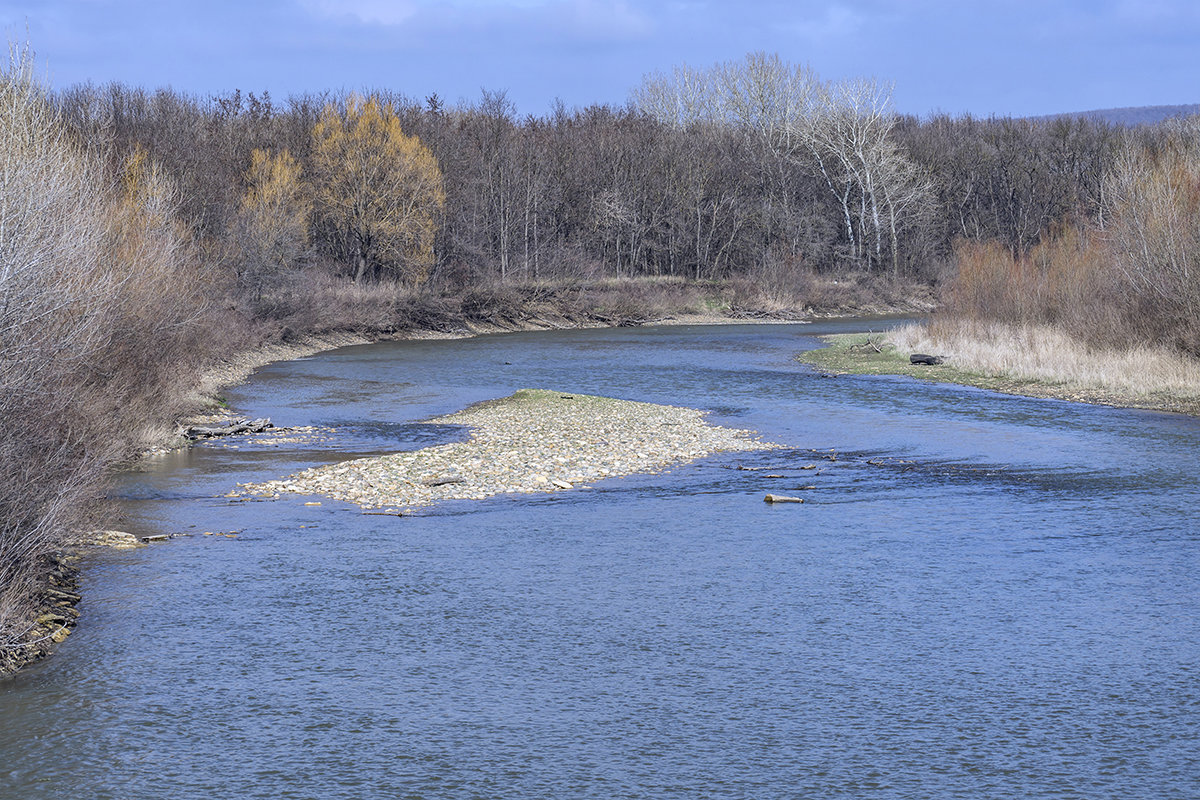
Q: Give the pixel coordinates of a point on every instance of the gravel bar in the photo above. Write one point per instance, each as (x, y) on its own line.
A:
(532, 441)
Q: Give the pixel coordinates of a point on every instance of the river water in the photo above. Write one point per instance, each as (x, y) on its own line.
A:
(984, 597)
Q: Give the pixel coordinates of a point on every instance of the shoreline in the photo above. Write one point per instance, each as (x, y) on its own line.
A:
(855, 354)
(238, 367)
(53, 616)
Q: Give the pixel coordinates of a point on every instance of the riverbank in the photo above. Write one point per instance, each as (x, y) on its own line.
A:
(52, 613)
(1023, 360)
(532, 441)
(346, 314)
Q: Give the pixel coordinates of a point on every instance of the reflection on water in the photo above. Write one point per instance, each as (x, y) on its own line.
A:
(982, 596)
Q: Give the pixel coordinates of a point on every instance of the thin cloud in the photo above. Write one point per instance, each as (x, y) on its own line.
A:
(1019, 57)
(368, 12)
(836, 22)
(587, 19)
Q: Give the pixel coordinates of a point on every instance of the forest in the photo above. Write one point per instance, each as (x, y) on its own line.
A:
(145, 233)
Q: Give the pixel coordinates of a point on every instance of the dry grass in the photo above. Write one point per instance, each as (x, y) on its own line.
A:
(319, 302)
(1045, 355)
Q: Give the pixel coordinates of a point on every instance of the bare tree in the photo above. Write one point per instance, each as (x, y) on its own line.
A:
(841, 130)
(1154, 229)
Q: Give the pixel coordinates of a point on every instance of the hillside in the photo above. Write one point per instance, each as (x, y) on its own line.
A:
(1134, 115)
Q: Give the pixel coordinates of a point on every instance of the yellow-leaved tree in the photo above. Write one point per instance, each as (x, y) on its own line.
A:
(379, 191)
(273, 218)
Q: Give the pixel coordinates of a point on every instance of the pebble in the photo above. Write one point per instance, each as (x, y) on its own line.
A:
(532, 441)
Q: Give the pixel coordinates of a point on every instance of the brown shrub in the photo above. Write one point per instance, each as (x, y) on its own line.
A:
(1134, 280)
(102, 309)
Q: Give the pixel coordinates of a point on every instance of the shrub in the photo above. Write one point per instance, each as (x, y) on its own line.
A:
(102, 308)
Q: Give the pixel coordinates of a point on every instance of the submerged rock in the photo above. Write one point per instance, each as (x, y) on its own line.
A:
(783, 498)
(119, 540)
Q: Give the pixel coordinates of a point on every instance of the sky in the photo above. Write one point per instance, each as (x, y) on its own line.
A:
(955, 56)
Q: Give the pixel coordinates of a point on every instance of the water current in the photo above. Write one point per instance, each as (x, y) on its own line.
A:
(984, 596)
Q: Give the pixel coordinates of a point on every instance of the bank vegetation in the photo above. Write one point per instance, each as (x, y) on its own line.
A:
(147, 234)
(1103, 307)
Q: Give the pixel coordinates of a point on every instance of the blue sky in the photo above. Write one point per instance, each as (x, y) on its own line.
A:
(1020, 57)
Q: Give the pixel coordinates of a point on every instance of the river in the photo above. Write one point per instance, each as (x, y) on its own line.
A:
(985, 596)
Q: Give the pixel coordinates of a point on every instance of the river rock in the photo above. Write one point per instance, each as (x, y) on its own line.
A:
(118, 540)
(533, 441)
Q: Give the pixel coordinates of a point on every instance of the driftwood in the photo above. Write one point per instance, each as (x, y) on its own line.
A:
(230, 428)
(60, 596)
(444, 481)
(622, 321)
(782, 498)
(923, 358)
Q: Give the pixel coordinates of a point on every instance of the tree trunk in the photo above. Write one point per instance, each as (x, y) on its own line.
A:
(360, 264)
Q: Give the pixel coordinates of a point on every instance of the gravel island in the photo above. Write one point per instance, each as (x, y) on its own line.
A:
(532, 441)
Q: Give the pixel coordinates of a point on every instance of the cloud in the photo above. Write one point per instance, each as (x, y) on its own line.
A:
(589, 20)
(369, 12)
(1157, 11)
(836, 22)
(604, 19)
(1022, 56)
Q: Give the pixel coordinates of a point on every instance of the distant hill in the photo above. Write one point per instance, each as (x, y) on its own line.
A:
(1136, 115)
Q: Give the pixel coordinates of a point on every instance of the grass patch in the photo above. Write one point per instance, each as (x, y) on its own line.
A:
(1034, 362)
(856, 354)
(535, 401)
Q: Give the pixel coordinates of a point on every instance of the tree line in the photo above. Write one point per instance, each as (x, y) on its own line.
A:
(706, 174)
(1126, 275)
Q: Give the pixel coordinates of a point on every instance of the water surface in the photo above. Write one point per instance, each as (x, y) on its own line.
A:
(984, 597)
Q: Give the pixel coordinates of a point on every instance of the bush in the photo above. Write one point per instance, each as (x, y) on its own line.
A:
(102, 308)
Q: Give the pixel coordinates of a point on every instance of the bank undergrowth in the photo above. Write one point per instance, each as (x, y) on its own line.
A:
(1065, 365)
(102, 307)
(1105, 309)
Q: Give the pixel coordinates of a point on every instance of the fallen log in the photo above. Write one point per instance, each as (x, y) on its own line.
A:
(231, 428)
(924, 358)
